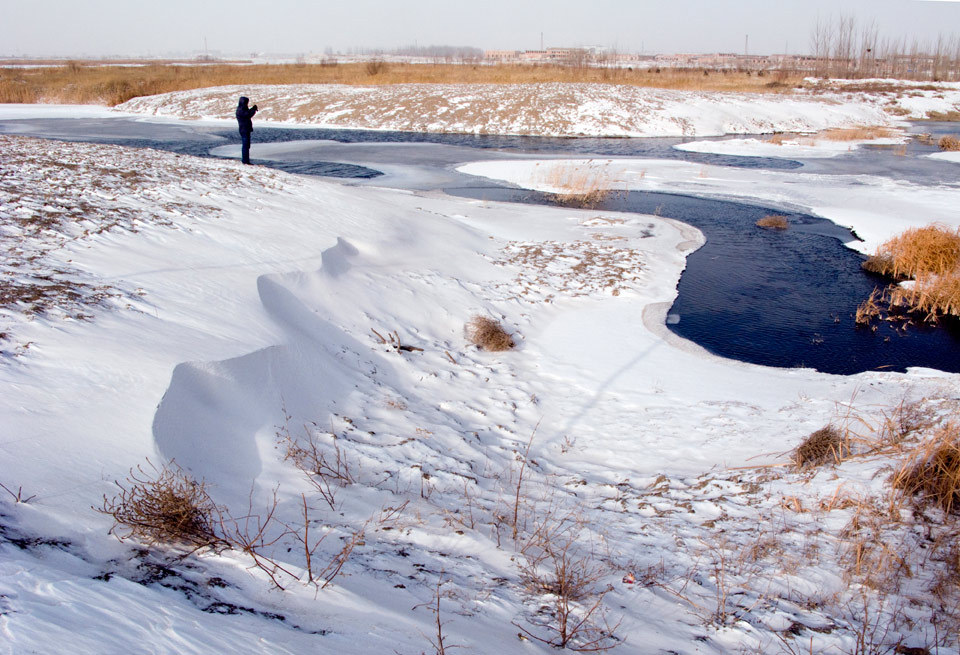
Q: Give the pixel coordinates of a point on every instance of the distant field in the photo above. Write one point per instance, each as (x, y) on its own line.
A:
(94, 83)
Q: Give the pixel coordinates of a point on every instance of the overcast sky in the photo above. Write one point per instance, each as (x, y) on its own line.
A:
(135, 27)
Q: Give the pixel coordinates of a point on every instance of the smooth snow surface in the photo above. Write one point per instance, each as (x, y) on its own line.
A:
(171, 308)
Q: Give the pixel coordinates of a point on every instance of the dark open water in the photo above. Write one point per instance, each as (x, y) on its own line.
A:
(783, 298)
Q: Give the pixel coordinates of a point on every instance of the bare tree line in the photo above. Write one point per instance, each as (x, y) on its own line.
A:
(844, 48)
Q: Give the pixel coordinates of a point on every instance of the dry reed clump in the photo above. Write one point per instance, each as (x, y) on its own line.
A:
(486, 333)
(865, 133)
(949, 143)
(930, 295)
(930, 257)
(881, 264)
(774, 221)
(869, 309)
(823, 446)
(933, 249)
(931, 476)
(165, 506)
(579, 186)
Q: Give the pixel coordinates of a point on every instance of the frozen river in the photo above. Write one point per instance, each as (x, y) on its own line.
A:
(783, 299)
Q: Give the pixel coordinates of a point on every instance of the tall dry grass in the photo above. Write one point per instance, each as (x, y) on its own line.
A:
(918, 251)
(930, 258)
(579, 185)
(95, 83)
(931, 474)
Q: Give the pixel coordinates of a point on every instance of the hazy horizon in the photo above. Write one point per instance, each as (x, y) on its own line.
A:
(242, 27)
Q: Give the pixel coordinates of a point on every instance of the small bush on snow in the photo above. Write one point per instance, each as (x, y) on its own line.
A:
(488, 334)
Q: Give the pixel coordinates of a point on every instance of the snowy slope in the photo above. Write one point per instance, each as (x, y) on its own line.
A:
(547, 109)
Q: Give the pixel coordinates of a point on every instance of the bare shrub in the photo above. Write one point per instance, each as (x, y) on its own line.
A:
(438, 641)
(949, 143)
(488, 334)
(165, 506)
(556, 565)
(774, 221)
(822, 447)
(254, 534)
(931, 474)
(325, 466)
(18, 495)
(517, 495)
(322, 573)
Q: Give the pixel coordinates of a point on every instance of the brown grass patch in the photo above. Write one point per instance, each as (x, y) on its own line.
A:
(774, 221)
(949, 143)
(826, 445)
(867, 133)
(488, 334)
(96, 83)
(931, 475)
(952, 116)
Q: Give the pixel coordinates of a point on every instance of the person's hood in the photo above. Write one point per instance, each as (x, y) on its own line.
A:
(243, 101)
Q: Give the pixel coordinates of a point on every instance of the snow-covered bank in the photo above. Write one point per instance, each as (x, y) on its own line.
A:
(258, 304)
(947, 156)
(875, 208)
(788, 148)
(545, 109)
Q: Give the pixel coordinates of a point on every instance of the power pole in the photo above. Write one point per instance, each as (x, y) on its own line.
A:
(746, 45)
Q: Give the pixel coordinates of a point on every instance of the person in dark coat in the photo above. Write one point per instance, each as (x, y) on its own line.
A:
(244, 118)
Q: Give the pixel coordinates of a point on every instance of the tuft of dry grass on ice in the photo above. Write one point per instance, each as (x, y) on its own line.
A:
(488, 334)
(165, 506)
(582, 186)
(826, 445)
(931, 474)
(774, 221)
(949, 143)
